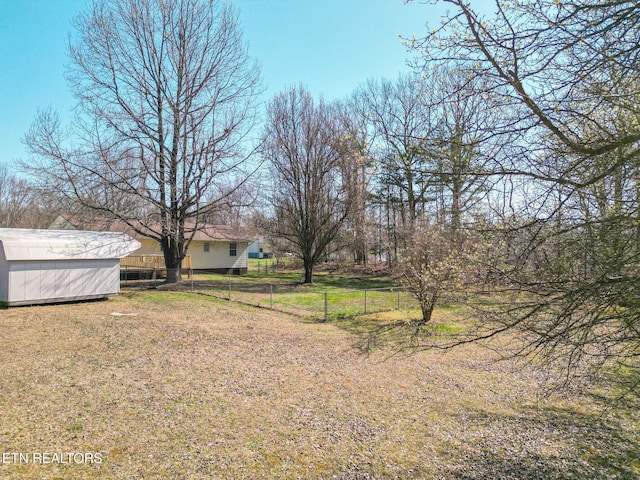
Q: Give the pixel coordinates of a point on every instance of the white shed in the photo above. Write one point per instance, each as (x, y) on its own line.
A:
(50, 266)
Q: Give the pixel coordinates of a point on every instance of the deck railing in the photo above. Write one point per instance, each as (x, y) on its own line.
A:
(150, 262)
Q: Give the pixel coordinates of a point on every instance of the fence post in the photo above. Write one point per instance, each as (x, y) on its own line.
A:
(365, 302)
(191, 275)
(229, 297)
(326, 305)
(271, 295)
(398, 300)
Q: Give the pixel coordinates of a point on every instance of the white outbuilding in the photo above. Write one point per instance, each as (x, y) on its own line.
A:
(51, 266)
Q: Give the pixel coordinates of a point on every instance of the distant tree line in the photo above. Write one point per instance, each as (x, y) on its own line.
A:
(21, 205)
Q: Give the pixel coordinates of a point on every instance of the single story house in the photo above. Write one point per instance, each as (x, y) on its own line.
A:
(214, 248)
(52, 266)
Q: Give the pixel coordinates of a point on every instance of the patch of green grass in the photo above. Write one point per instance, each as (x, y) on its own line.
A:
(160, 296)
(346, 295)
(270, 276)
(400, 330)
(322, 281)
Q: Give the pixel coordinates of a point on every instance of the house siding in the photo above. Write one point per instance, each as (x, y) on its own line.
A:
(149, 247)
(216, 259)
(218, 256)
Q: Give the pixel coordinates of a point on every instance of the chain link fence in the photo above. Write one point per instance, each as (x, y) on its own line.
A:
(296, 298)
(304, 300)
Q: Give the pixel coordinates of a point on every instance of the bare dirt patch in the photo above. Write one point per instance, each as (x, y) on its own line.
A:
(184, 386)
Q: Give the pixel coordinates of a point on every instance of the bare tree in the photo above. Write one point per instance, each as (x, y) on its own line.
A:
(166, 95)
(565, 78)
(356, 145)
(22, 205)
(15, 200)
(232, 205)
(399, 121)
(442, 267)
(462, 147)
(310, 188)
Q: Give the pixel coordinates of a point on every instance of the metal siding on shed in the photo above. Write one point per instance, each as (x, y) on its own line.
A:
(91, 284)
(40, 266)
(114, 278)
(63, 287)
(32, 280)
(48, 283)
(17, 284)
(58, 280)
(4, 278)
(77, 278)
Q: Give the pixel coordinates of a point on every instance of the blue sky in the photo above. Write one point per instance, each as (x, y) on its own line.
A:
(330, 46)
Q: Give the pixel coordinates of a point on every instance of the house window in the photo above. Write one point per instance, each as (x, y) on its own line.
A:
(233, 249)
(206, 246)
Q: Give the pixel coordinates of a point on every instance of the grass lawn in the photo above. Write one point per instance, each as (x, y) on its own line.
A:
(182, 386)
(346, 295)
(321, 279)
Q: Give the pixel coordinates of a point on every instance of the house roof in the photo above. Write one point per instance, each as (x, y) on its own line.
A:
(221, 233)
(206, 233)
(27, 244)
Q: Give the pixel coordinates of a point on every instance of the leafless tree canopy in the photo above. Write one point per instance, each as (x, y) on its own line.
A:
(166, 97)
(310, 172)
(564, 78)
(401, 120)
(21, 206)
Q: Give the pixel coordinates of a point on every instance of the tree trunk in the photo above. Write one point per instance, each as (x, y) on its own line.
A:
(360, 216)
(360, 247)
(428, 299)
(456, 210)
(308, 272)
(174, 275)
(172, 260)
(427, 311)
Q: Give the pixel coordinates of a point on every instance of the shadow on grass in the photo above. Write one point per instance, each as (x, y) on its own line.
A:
(535, 443)
(354, 283)
(399, 331)
(546, 443)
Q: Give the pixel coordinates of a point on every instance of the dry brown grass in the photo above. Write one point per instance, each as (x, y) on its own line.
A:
(198, 388)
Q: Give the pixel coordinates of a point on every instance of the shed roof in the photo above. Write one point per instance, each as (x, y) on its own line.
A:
(26, 244)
